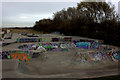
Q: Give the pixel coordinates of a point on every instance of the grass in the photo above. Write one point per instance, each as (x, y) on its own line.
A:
(25, 30)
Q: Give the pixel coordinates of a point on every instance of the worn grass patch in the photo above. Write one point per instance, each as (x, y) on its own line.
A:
(25, 30)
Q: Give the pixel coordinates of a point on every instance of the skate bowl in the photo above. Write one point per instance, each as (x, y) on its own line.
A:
(63, 65)
(69, 63)
(58, 65)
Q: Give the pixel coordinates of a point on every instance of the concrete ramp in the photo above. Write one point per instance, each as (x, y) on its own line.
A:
(10, 69)
(10, 64)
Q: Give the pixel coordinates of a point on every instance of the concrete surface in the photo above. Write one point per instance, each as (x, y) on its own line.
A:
(56, 65)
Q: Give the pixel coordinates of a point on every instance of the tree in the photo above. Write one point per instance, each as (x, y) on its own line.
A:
(98, 11)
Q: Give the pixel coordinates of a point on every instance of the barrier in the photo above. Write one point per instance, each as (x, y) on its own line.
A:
(65, 39)
(48, 46)
(82, 40)
(22, 40)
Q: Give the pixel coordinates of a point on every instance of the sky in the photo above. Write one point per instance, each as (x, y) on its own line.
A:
(25, 14)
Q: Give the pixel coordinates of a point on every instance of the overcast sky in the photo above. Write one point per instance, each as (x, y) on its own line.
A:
(21, 14)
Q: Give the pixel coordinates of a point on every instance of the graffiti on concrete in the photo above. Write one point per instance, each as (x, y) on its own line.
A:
(95, 45)
(5, 55)
(25, 47)
(83, 57)
(115, 55)
(67, 45)
(40, 46)
(95, 56)
(84, 45)
(45, 39)
(55, 39)
(21, 55)
(22, 40)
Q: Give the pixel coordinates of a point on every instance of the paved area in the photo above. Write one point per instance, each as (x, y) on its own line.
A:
(54, 64)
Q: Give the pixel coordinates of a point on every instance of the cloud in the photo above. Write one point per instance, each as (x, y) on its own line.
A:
(30, 12)
(27, 13)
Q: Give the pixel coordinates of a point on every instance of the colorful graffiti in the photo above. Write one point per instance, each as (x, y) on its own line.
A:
(95, 56)
(91, 56)
(95, 45)
(5, 55)
(22, 40)
(115, 55)
(67, 45)
(83, 57)
(25, 47)
(21, 55)
(45, 40)
(84, 45)
(51, 46)
(39, 46)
